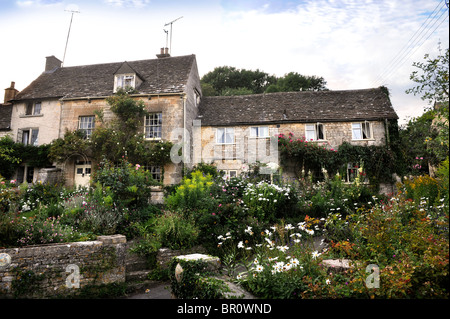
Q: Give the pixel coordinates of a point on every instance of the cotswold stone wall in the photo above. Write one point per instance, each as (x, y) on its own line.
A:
(59, 270)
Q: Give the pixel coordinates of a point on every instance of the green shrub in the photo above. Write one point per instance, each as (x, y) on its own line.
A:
(191, 193)
(175, 231)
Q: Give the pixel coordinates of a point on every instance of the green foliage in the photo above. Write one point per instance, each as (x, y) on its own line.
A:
(13, 154)
(174, 231)
(227, 80)
(196, 281)
(191, 193)
(319, 158)
(127, 185)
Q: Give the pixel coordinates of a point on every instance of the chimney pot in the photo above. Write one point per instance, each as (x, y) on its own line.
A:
(10, 93)
(52, 63)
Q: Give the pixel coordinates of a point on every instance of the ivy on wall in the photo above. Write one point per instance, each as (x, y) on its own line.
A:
(379, 161)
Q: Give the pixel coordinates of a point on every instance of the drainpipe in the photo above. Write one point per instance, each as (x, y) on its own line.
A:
(184, 129)
(386, 132)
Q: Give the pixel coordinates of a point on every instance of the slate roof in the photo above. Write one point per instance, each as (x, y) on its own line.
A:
(5, 117)
(167, 75)
(298, 107)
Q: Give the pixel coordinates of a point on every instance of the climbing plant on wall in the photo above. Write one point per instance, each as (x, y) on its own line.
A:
(378, 161)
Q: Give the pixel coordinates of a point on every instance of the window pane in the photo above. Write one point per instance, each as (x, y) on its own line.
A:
(263, 131)
(25, 136)
(366, 130)
(310, 132)
(320, 135)
(34, 137)
(37, 108)
(229, 135)
(356, 131)
(153, 125)
(220, 135)
(253, 132)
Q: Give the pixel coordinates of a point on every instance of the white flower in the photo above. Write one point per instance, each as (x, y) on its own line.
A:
(315, 254)
(259, 268)
(274, 200)
(241, 244)
(295, 262)
(289, 227)
(282, 248)
(328, 281)
(249, 230)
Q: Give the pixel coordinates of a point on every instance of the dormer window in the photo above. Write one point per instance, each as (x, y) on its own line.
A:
(124, 81)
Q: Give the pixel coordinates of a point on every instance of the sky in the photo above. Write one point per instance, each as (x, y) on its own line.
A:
(352, 44)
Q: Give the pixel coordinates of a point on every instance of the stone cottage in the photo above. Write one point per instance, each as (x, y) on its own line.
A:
(229, 131)
(65, 98)
(236, 130)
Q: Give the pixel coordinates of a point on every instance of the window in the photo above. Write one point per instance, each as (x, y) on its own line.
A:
(259, 131)
(155, 171)
(225, 135)
(314, 132)
(124, 81)
(153, 126)
(33, 108)
(28, 136)
(354, 171)
(361, 131)
(86, 124)
(230, 173)
(196, 97)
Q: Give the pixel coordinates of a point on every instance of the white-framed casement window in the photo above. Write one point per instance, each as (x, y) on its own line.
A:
(230, 173)
(153, 126)
(259, 131)
(33, 108)
(86, 124)
(314, 132)
(362, 131)
(225, 135)
(28, 136)
(124, 81)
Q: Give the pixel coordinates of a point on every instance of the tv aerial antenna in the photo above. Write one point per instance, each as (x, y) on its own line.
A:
(171, 23)
(68, 33)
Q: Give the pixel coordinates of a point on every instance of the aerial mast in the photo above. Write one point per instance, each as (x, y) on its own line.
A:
(170, 49)
(68, 33)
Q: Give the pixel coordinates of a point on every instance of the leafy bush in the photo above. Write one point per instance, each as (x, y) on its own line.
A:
(128, 185)
(422, 188)
(174, 231)
(191, 193)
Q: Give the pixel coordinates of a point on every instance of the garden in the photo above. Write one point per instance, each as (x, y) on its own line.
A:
(263, 232)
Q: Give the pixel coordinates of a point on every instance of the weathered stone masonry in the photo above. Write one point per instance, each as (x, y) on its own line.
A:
(55, 266)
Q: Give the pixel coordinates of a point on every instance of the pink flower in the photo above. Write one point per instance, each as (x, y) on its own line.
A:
(220, 205)
(137, 166)
(214, 214)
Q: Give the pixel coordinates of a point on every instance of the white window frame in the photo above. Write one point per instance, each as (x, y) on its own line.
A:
(259, 131)
(312, 132)
(362, 131)
(87, 125)
(229, 172)
(227, 131)
(33, 109)
(120, 81)
(29, 136)
(149, 126)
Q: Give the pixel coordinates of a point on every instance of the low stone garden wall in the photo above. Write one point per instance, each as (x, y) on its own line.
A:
(61, 270)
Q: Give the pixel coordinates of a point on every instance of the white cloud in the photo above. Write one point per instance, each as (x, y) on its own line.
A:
(349, 43)
(128, 3)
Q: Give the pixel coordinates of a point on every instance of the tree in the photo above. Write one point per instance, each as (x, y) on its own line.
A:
(433, 80)
(228, 80)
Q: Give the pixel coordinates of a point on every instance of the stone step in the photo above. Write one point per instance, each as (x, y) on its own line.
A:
(140, 275)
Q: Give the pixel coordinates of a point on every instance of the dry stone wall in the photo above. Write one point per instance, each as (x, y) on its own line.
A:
(59, 270)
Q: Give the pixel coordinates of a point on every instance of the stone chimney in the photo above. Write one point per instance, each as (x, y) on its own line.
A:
(52, 63)
(10, 93)
(164, 53)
